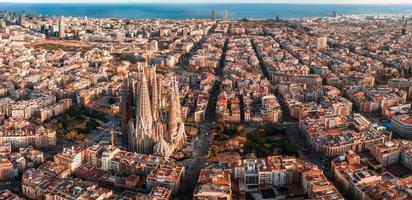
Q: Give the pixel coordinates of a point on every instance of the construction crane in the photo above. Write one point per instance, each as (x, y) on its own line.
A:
(112, 132)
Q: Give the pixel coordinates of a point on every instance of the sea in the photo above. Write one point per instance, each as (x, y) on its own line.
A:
(203, 10)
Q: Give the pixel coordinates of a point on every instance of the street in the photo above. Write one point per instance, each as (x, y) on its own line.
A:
(196, 163)
(306, 152)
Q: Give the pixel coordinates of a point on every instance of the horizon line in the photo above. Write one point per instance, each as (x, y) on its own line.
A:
(293, 3)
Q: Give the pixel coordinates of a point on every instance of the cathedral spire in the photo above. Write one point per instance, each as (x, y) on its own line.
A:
(159, 92)
(154, 97)
(154, 94)
(125, 107)
(180, 136)
(173, 115)
(176, 134)
(177, 99)
(143, 107)
(144, 120)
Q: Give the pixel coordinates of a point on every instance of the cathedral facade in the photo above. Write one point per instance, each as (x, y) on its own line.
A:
(151, 114)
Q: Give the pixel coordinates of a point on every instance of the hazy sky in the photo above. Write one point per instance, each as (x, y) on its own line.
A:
(218, 1)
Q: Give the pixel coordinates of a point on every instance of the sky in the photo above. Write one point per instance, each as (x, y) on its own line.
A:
(217, 1)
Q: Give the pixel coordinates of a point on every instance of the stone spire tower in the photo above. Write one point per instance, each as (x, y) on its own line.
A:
(173, 116)
(180, 137)
(62, 30)
(154, 97)
(159, 92)
(143, 141)
(152, 129)
(176, 135)
(125, 107)
(177, 99)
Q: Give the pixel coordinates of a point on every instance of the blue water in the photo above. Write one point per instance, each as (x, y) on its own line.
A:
(190, 11)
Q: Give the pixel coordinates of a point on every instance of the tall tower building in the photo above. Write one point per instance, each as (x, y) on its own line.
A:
(2, 24)
(185, 31)
(176, 127)
(153, 92)
(61, 28)
(22, 20)
(404, 25)
(213, 17)
(142, 140)
(155, 128)
(154, 99)
(225, 15)
(126, 110)
(173, 119)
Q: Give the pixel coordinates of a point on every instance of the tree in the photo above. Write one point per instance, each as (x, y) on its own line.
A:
(64, 121)
(72, 135)
(111, 100)
(90, 125)
(240, 128)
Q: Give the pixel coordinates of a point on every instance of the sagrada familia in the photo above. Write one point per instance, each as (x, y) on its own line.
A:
(150, 117)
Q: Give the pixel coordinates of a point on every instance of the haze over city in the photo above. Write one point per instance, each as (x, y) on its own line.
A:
(228, 100)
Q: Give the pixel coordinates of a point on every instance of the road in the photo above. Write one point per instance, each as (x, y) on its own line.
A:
(197, 161)
(184, 62)
(305, 150)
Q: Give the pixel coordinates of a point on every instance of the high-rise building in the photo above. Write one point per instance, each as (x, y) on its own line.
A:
(22, 20)
(185, 31)
(2, 24)
(404, 25)
(225, 15)
(213, 17)
(61, 28)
